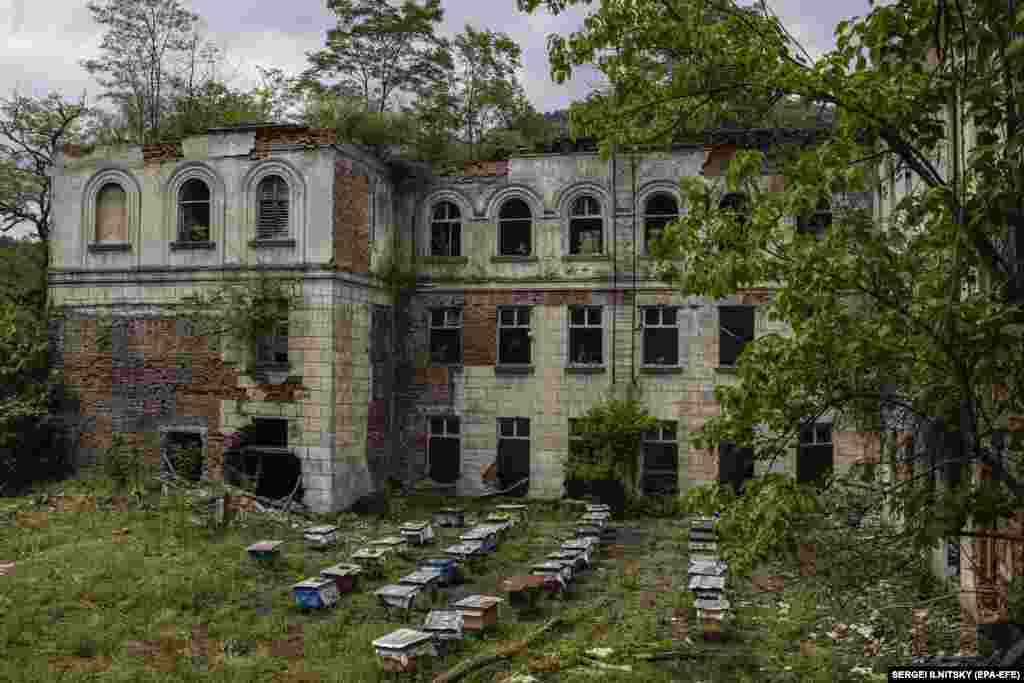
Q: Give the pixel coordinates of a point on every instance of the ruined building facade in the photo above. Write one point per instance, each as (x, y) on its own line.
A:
(450, 327)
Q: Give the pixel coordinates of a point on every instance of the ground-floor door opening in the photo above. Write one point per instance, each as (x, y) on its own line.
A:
(514, 455)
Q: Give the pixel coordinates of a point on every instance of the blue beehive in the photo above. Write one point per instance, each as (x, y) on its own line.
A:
(315, 593)
(447, 568)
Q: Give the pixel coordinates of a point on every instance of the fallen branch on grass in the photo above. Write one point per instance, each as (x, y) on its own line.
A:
(468, 666)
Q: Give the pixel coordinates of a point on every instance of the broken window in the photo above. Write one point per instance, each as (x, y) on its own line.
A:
(585, 226)
(514, 335)
(271, 208)
(736, 328)
(515, 222)
(659, 211)
(112, 214)
(446, 336)
(446, 230)
(735, 465)
(586, 335)
(661, 336)
(194, 211)
(816, 222)
(183, 451)
(443, 449)
(814, 456)
(265, 465)
(514, 453)
(738, 204)
(660, 464)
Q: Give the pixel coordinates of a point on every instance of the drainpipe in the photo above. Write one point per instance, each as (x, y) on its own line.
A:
(632, 327)
(615, 264)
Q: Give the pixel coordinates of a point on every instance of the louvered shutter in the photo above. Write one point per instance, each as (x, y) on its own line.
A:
(272, 210)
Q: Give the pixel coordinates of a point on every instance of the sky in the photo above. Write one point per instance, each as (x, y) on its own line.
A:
(46, 39)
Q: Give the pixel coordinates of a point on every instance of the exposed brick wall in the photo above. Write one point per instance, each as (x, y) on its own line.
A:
(853, 448)
(161, 152)
(268, 138)
(351, 219)
(717, 158)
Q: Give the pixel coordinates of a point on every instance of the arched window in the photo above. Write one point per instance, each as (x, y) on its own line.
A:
(111, 214)
(816, 222)
(446, 230)
(271, 208)
(194, 211)
(659, 211)
(514, 224)
(586, 226)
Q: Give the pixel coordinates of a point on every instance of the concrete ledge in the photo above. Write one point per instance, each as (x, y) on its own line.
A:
(106, 247)
(513, 369)
(661, 369)
(512, 258)
(584, 369)
(193, 246)
(444, 260)
(587, 258)
(282, 242)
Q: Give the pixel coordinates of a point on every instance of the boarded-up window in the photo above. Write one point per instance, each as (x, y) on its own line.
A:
(446, 336)
(514, 335)
(659, 211)
(514, 224)
(443, 449)
(814, 458)
(514, 453)
(272, 209)
(661, 336)
(194, 211)
(660, 466)
(112, 214)
(735, 465)
(446, 230)
(736, 328)
(585, 226)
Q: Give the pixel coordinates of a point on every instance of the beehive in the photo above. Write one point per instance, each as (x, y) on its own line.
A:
(449, 569)
(399, 650)
(321, 536)
(485, 535)
(444, 624)
(400, 596)
(389, 543)
(450, 517)
(417, 533)
(265, 551)
(315, 593)
(466, 550)
(556, 568)
(579, 558)
(520, 512)
(478, 611)
(523, 591)
(344, 575)
(425, 579)
(500, 521)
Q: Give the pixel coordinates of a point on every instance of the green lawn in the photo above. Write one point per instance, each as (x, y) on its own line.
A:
(130, 593)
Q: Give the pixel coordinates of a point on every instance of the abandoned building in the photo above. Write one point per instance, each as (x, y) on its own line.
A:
(449, 327)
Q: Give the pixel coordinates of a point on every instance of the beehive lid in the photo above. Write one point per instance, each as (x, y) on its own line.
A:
(321, 530)
(439, 562)
(705, 568)
(579, 544)
(707, 523)
(464, 548)
(314, 583)
(597, 514)
(511, 506)
(568, 555)
(415, 526)
(443, 620)
(421, 577)
(707, 583)
(340, 570)
(402, 639)
(711, 605)
(389, 541)
(477, 533)
(599, 507)
(482, 602)
(265, 546)
(498, 517)
(369, 554)
(551, 566)
(452, 511)
(397, 590)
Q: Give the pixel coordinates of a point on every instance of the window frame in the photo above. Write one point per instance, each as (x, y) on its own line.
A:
(294, 236)
(587, 309)
(661, 325)
(445, 325)
(647, 215)
(503, 222)
(590, 200)
(449, 223)
(517, 325)
(802, 445)
(723, 330)
(133, 206)
(517, 423)
(667, 433)
(185, 236)
(446, 434)
(284, 188)
(124, 209)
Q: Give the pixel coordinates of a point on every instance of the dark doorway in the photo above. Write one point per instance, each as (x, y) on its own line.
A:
(514, 454)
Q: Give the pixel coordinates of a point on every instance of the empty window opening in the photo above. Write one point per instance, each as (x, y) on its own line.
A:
(265, 465)
(194, 211)
(585, 226)
(446, 230)
(514, 335)
(112, 214)
(736, 329)
(659, 211)
(814, 460)
(816, 222)
(514, 454)
(661, 336)
(272, 349)
(515, 222)
(444, 449)
(446, 336)
(184, 452)
(660, 464)
(735, 465)
(738, 205)
(586, 335)
(272, 209)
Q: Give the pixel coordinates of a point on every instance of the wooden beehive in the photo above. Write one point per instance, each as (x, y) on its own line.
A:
(523, 591)
(344, 575)
(450, 517)
(444, 624)
(425, 579)
(485, 535)
(478, 611)
(466, 550)
(321, 536)
(449, 569)
(417, 533)
(315, 593)
(399, 596)
(399, 650)
(265, 551)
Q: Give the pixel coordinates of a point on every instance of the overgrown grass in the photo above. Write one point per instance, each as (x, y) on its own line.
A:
(147, 594)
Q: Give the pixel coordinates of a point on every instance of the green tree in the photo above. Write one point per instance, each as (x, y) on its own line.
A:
(913, 319)
(379, 50)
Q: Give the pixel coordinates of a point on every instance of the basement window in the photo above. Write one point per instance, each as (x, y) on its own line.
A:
(586, 335)
(266, 466)
(816, 222)
(585, 226)
(814, 458)
(514, 335)
(659, 211)
(184, 452)
(446, 230)
(446, 336)
(735, 465)
(661, 336)
(515, 222)
(514, 453)
(444, 449)
(660, 460)
(736, 329)
(272, 208)
(194, 211)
